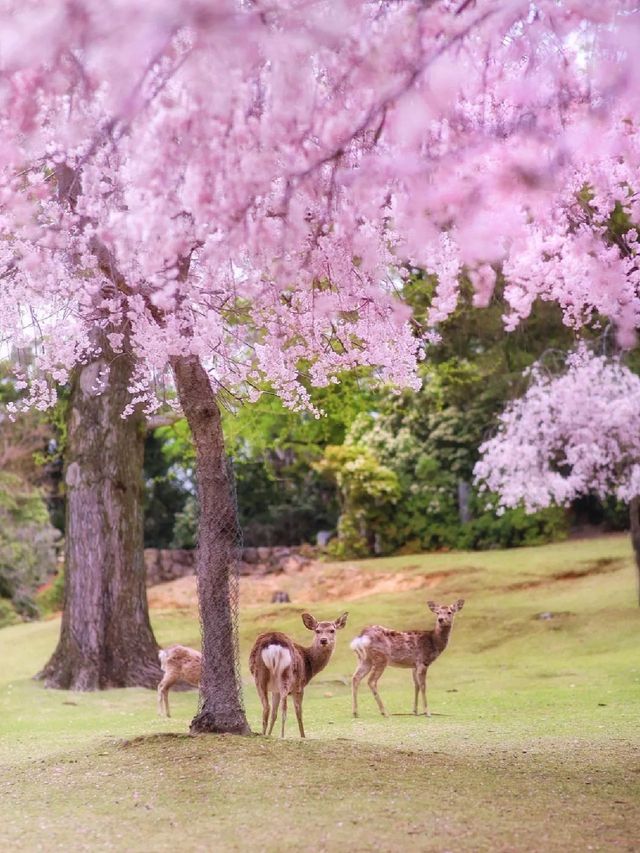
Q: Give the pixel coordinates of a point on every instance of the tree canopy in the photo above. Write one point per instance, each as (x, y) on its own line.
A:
(245, 184)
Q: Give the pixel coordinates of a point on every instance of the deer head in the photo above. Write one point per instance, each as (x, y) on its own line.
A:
(445, 613)
(325, 632)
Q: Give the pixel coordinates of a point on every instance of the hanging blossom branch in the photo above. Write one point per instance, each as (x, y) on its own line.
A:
(569, 435)
(299, 156)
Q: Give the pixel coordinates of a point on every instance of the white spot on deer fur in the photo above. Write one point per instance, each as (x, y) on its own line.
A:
(360, 646)
(276, 659)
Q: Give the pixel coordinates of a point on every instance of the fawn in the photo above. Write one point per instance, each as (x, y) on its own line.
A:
(178, 663)
(379, 647)
(284, 667)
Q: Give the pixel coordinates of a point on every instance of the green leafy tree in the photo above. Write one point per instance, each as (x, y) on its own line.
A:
(429, 439)
(368, 490)
(282, 498)
(27, 544)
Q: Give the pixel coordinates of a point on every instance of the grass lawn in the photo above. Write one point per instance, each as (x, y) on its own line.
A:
(533, 743)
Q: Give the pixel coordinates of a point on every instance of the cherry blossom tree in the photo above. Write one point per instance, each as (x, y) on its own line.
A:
(229, 192)
(569, 435)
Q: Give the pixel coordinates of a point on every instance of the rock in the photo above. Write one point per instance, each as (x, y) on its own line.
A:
(323, 537)
(167, 564)
(295, 563)
(280, 553)
(280, 597)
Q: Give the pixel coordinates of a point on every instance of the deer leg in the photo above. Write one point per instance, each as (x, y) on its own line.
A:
(416, 684)
(373, 684)
(297, 704)
(264, 698)
(284, 713)
(423, 690)
(163, 695)
(363, 668)
(275, 702)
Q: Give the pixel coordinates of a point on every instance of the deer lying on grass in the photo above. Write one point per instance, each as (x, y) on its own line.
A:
(281, 666)
(379, 647)
(178, 663)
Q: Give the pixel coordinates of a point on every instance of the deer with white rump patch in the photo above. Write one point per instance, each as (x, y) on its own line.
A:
(178, 663)
(282, 667)
(379, 647)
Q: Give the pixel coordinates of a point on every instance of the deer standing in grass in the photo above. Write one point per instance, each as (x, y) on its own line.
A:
(379, 647)
(178, 663)
(283, 667)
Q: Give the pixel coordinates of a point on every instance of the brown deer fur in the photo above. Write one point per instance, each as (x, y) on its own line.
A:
(379, 647)
(178, 663)
(281, 666)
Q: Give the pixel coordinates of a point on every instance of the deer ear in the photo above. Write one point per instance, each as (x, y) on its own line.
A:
(459, 604)
(309, 621)
(432, 606)
(341, 621)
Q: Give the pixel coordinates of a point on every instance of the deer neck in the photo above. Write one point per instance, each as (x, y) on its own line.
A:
(316, 658)
(441, 636)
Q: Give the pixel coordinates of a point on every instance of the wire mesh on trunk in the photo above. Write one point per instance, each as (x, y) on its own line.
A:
(221, 706)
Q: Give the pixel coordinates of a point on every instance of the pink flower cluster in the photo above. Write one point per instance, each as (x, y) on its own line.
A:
(246, 182)
(569, 435)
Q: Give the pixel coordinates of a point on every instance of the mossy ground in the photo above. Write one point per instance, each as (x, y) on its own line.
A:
(533, 743)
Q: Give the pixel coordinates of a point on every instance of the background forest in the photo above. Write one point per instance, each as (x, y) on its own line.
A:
(379, 473)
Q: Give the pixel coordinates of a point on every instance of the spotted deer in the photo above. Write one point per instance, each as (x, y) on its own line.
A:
(379, 647)
(283, 667)
(178, 663)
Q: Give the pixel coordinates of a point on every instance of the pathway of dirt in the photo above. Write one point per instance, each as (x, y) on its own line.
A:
(327, 582)
(317, 582)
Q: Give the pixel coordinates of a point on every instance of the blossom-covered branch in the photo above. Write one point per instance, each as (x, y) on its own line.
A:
(300, 155)
(568, 436)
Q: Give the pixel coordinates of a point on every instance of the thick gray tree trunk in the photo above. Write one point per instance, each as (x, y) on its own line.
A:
(106, 638)
(220, 700)
(634, 517)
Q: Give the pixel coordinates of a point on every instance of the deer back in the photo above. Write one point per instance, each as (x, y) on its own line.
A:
(403, 648)
(183, 663)
(299, 663)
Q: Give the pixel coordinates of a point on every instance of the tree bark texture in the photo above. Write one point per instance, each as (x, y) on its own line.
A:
(106, 638)
(634, 517)
(221, 707)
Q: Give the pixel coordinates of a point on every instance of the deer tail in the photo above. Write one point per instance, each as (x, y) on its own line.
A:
(361, 645)
(277, 660)
(162, 655)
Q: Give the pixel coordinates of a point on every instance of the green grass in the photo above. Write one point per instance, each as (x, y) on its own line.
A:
(533, 743)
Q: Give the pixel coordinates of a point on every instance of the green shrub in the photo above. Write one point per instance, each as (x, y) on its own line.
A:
(8, 614)
(27, 543)
(50, 599)
(185, 526)
(399, 494)
(368, 491)
(513, 528)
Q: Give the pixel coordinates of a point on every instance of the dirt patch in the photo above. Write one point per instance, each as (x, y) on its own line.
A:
(180, 594)
(598, 567)
(143, 740)
(605, 565)
(317, 582)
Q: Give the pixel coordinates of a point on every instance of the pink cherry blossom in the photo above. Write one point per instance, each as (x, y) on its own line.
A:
(569, 435)
(247, 182)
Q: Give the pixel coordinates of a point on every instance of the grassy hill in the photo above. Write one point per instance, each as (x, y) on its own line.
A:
(533, 743)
